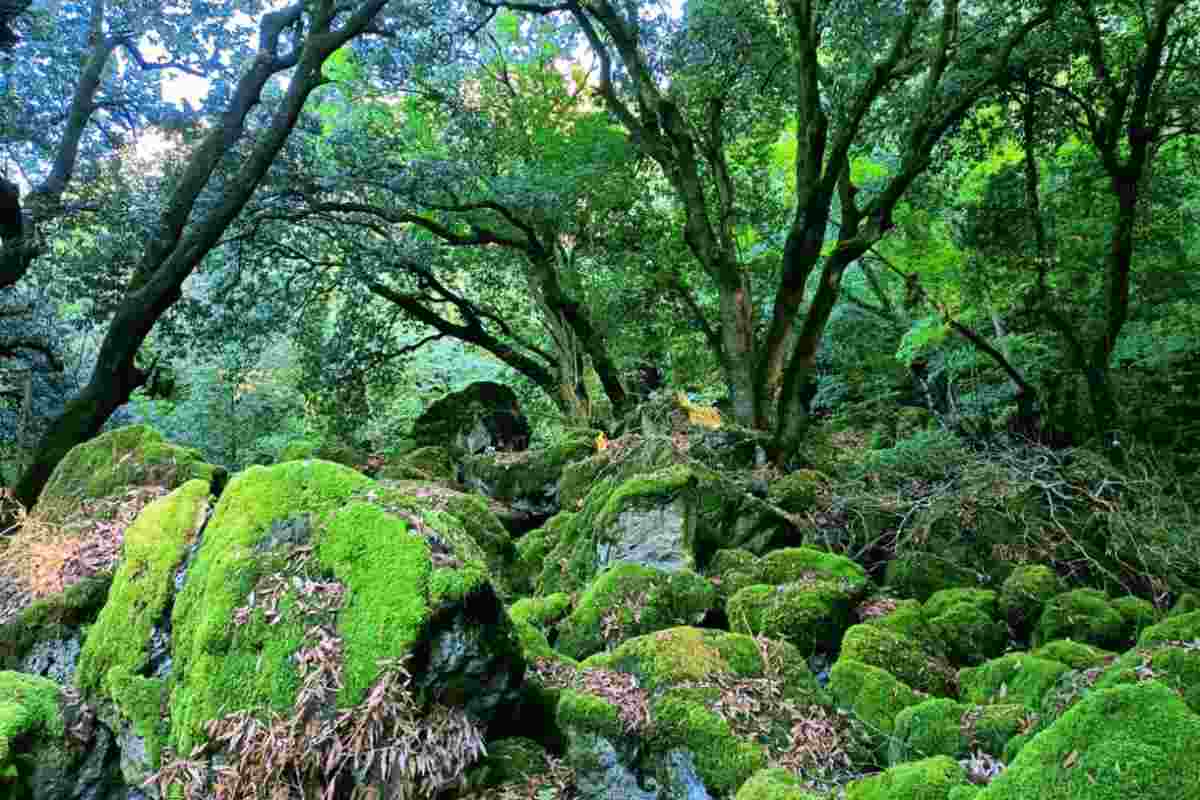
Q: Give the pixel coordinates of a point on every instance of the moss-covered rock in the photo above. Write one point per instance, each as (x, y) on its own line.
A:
(723, 760)
(630, 600)
(905, 617)
(1174, 665)
(812, 615)
(791, 564)
(685, 655)
(967, 633)
(1014, 678)
(966, 791)
(942, 601)
(112, 461)
(414, 583)
(874, 695)
(928, 779)
(1186, 604)
(1131, 741)
(773, 784)
(944, 727)
(526, 481)
(920, 575)
(901, 656)
(126, 654)
(481, 415)
(1138, 614)
(1178, 628)
(430, 463)
(45, 639)
(1024, 595)
(328, 450)
(510, 760)
(1083, 615)
(797, 492)
(1075, 655)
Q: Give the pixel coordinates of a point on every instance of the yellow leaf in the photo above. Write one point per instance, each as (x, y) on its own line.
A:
(601, 442)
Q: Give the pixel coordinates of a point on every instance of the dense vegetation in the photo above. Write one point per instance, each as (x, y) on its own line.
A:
(912, 284)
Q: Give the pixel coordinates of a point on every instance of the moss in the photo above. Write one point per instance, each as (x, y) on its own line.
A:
(1084, 615)
(577, 479)
(945, 727)
(967, 634)
(58, 617)
(1131, 741)
(1186, 604)
(154, 547)
(531, 475)
(132, 455)
(874, 695)
(920, 575)
(966, 791)
(582, 712)
(899, 655)
(1014, 678)
(682, 655)
(1138, 614)
(510, 760)
(1181, 628)
(805, 563)
(1174, 665)
(811, 616)
(431, 463)
(908, 619)
(723, 760)
(298, 450)
(941, 602)
(928, 779)
(141, 701)
(725, 560)
(532, 550)
(541, 612)
(29, 706)
(774, 783)
(797, 492)
(630, 600)
(1025, 593)
(1075, 655)
(221, 667)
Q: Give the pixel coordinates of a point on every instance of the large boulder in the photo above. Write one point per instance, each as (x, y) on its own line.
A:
(1130, 741)
(313, 595)
(114, 461)
(482, 416)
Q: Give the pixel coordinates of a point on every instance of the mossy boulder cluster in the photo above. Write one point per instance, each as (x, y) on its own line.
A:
(673, 630)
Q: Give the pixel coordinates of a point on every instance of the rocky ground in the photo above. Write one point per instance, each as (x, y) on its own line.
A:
(657, 615)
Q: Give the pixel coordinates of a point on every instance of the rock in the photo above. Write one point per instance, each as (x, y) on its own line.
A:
(51, 747)
(873, 694)
(1176, 628)
(527, 481)
(798, 491)
(45, 638)
(927, 779)
(774, 783)
(511, 760)
(812, 615)
(338, 452)
(1024, 595)
(1014, 678)
(1175, 665)
(1138, 614)
(115, 460)
(1084, 615)
(1075, 655)
(301, 558)
(1130, 741)
(962, 620)
(920, 575)
(630, 600)
(903, 657)
(943, 727)
(431, 463)
(482, 416)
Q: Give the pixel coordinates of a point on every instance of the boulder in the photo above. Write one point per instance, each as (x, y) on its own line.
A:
(51, 747)
(900, 655)
(1129, 741)
(1083, 615)
(945, 727)
(873, 694)
(527, 481)
(113, 461)
(1014, 678)
(310, 590)
(1024, 595)
(483, 416)
(928, 779)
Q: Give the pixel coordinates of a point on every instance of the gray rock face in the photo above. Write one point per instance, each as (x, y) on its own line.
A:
(600, 771)
(658, 537)
(53, 658)
(683, 782)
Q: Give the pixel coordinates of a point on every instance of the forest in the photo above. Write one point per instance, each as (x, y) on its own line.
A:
(770, 399)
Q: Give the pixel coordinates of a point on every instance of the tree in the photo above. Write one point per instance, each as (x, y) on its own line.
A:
(850, 74)
(220, 175)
